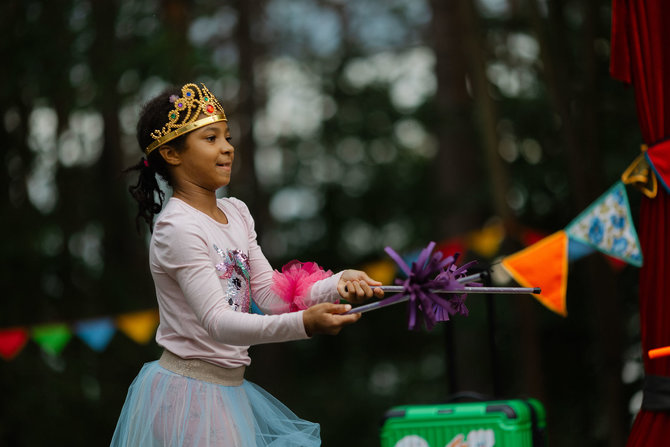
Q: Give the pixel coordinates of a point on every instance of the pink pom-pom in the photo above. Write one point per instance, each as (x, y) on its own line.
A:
(295, 281)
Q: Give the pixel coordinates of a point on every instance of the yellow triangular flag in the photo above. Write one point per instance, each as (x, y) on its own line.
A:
(545, 265)
(140, 326)
(487, 241)
(383, 271)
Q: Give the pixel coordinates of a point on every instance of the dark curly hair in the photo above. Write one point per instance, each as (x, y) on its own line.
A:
(147, 191)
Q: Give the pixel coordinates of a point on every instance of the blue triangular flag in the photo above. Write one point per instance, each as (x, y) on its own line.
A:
(409, 258)
(577, 250)
(607, 226)
(96, 333)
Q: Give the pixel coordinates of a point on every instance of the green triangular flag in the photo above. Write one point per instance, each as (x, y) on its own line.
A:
(52, 338)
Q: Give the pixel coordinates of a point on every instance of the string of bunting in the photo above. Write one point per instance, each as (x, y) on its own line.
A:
(96, 333)
(605, 226)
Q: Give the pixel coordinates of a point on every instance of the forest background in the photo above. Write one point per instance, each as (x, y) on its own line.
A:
(357, 125)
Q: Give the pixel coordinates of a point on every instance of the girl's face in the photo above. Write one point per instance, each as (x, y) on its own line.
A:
(207, 160)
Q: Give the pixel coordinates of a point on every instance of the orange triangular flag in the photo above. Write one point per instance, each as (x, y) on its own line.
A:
(140, 326)
(544, 264)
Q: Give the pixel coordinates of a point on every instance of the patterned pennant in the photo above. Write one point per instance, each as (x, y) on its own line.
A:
(607, 225)
(12, 341)
(577, 250)
(52, 338)
(545, 265)
(96, 333)
(139, 326)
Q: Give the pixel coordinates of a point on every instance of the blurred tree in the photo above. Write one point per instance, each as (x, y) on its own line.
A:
(575, 102)
(177, 16)
(248, 50)
(459, 161)
(122, 254)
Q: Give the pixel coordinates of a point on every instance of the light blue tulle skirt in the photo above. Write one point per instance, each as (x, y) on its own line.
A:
(164, 408)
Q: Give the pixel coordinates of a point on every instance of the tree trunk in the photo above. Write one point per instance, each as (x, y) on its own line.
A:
(486, 112)
(177, 18)
(124, 251)
(245, 183)
(458, 160)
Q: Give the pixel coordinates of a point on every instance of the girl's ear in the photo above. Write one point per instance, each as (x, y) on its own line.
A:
(170, 155)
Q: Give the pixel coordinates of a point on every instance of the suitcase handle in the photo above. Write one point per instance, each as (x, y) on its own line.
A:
(468, 396)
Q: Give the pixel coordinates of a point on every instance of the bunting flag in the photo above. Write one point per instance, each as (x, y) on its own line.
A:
(486, 241)
(383, 271)
(452, 246)
(139, 326)
(658, 156)
(545, 265)
(409, 259)
(52, 338)
(577, 250)
(530, 236)
(12, 341)
(96, 333)
(616, 264)
(607, 226)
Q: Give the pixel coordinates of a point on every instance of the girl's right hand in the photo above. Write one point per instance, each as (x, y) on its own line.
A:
(327, 318)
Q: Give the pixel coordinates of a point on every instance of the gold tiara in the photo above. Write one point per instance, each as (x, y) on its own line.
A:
(184, 117)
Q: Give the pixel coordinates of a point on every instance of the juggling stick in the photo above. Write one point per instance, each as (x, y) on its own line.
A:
(434, 287)
(659, 352)
(466, 290)
(498, 290)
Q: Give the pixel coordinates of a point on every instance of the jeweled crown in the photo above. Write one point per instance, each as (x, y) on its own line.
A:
(184, 118)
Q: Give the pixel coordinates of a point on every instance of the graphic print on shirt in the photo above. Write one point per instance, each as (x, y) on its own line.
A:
(234, 271)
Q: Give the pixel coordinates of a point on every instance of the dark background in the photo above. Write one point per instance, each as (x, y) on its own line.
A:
(357, 125)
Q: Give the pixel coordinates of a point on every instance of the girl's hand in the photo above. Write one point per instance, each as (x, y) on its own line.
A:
(326, 318)
(354, 286)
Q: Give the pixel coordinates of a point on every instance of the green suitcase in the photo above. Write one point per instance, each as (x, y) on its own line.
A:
(503, 423)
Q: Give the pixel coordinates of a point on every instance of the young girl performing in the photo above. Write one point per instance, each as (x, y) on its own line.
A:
(209, 271)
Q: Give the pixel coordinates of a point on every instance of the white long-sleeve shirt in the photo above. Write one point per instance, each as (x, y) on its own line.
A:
(206, 272)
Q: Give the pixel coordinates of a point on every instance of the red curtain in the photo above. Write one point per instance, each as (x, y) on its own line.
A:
(640, 56)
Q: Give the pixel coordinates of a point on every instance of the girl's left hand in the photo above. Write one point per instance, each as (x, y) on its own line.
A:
(354, 286)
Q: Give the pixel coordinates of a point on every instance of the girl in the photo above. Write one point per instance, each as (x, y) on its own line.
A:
(208, 272)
